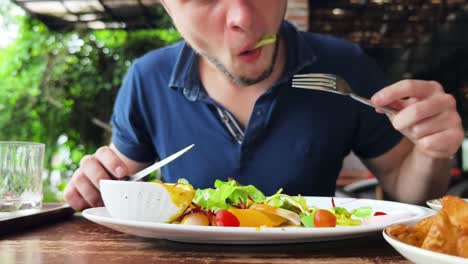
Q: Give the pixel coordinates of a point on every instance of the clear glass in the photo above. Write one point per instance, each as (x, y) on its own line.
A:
(21, 165)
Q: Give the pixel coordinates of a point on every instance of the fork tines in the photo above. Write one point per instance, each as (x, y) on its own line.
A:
(316, 81)
(316, 75)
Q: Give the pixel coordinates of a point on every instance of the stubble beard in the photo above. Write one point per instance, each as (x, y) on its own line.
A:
(243, 80)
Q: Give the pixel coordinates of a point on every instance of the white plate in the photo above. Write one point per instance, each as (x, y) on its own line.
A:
(436, 204)
(420, 255)
(397, 213)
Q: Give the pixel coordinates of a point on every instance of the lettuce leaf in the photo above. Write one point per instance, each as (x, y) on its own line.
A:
(297, 204)
(227, 194)
(308, 219)
(344, 217)
(365, 211)
(268, 39)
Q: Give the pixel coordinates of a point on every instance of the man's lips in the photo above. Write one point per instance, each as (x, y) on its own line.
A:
(250, 52)
(251, 55)
(248, 46)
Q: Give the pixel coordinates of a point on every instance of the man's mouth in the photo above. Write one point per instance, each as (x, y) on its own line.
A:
(251, 55)
(252, 52)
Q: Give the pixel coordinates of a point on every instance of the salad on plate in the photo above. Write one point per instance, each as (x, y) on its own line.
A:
(232, 204)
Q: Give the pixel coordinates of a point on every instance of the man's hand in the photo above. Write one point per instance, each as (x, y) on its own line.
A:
(83, 189)
(426, 115)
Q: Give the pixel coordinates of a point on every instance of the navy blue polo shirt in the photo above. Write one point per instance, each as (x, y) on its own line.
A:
(296, 139)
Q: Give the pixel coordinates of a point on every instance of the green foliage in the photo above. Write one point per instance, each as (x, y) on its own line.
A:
(59, 88)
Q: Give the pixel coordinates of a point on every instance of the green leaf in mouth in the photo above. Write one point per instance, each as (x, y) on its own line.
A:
(268, 39)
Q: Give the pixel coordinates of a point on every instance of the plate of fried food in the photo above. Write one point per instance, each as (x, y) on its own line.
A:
(441, 238)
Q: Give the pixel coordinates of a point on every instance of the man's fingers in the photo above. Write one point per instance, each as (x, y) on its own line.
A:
(88, 191)
(91, 168)
(425, 128)
(74, 198)
(437, 145)
(83, 189)
(111, 162)
(406, 89)
(421, 110)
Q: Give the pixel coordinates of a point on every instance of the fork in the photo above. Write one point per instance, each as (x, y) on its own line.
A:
(334, 84)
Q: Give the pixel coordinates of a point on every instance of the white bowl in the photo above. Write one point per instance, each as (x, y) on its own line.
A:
(422, 256)
(436, 204)
(145, 201)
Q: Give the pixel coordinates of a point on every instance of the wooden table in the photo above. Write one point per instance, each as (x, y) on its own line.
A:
(77, 240)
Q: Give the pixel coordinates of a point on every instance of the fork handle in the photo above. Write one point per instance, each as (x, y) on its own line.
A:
(368, 102)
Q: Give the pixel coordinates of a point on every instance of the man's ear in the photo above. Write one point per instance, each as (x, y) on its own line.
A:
(166, 7)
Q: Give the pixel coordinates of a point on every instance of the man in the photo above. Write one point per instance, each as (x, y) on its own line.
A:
(236, 104)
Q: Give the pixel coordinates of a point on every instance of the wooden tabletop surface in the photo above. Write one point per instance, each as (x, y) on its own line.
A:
(77, 240)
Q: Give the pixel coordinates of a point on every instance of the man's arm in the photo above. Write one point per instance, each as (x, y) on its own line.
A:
(410, 176)
(418, 168)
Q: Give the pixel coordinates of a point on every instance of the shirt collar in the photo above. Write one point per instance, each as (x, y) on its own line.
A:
(185, 77)
(299, 52)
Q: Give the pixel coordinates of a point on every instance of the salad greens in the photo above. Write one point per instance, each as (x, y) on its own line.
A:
(268, 39)
(297, 204)
(230, 194)
(344, 217)
(227, 194)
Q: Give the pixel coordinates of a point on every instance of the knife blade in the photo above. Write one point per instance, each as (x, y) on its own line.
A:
(141, 174)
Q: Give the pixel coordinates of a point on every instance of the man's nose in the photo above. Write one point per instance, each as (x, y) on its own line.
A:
(240, 15)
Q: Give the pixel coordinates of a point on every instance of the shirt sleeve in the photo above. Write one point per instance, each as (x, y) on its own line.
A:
(375, 134)
(130, 133)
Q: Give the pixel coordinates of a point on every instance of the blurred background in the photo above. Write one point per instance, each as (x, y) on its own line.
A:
(62, 62)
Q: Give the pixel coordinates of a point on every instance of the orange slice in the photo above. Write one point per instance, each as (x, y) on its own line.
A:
(289, 215)
(256, 218)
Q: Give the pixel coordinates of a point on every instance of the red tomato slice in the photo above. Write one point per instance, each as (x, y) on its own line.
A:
(324, 218)
(226, 218)
(379, 213)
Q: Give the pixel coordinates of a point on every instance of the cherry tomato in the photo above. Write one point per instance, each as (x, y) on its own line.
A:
(379, 213)
(226, 218)
(324, 218)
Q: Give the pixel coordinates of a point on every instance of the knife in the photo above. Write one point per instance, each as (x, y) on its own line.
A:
(141, 174)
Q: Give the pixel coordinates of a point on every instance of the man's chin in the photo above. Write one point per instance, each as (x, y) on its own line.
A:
(246, 76)
(256, 75)
(248, 80)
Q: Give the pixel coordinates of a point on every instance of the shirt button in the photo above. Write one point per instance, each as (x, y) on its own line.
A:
(259, 112)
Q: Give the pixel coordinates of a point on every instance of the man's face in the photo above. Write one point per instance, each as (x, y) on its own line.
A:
(225, 33)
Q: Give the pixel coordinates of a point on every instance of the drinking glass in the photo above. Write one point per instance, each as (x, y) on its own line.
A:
(21, 165)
